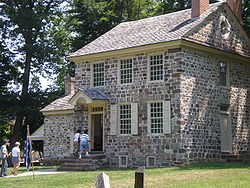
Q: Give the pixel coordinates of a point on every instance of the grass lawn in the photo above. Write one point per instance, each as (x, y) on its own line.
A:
(197, 175)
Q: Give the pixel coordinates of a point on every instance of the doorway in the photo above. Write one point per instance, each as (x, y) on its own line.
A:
(97, 132)
(226, 133)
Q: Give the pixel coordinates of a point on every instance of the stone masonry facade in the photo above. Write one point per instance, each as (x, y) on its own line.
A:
(191, 84)
(57, 137)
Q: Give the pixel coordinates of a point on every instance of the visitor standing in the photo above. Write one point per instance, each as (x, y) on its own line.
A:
(84, 144)
(76, 142)
(16, 158)
(4, 155)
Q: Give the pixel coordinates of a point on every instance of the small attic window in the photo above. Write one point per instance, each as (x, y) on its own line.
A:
(224, 27)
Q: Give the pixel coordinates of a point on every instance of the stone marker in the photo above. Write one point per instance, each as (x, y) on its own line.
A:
(102, 181)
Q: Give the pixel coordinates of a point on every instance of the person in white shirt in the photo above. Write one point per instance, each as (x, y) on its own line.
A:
(4, 155)
(76, 142)
(16, 157)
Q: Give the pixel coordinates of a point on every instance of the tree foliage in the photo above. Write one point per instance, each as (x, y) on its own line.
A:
(246, 16)
(27, 33)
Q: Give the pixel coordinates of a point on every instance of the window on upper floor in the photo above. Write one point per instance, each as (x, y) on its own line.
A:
(156, 67)
(223, 67)
(126, 71)
(98, 74)
(159, 117)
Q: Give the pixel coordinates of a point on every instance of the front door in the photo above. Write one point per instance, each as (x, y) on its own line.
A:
(226, 133)
(97, 132)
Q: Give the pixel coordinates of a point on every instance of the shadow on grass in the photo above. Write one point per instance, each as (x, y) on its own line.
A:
(216, 165)
(116, 169)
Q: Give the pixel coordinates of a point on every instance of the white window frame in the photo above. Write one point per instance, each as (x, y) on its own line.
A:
(166, 117)
(93, 74)
(149, 117)
(149, 67)
(227, 74)
(119, 119)
(120, 70)
(147, 161)
(115, 119)
(120, 161)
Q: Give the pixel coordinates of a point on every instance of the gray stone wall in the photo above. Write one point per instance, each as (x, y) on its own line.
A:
(81, 118)
(58, 130)
(201, 98)
(192, 85)
(240, 105)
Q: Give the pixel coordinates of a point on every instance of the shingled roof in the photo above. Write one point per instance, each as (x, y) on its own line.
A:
(62, 104)
(59, 104)
(158, 29)
(94, 94)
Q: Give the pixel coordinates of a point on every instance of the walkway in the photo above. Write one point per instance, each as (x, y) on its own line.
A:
(37, 172)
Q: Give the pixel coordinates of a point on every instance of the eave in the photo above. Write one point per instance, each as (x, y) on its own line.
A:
(181, 43)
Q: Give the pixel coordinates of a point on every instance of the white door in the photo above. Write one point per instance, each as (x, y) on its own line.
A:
(226, 133)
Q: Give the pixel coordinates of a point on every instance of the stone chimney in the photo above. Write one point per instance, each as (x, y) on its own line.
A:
(69, 85)
(236, 6)
(199, 7)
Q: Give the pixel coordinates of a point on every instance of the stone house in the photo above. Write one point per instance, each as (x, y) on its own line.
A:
(168, 89)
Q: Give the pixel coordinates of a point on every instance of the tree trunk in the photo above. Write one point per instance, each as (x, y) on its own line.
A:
(16, 135)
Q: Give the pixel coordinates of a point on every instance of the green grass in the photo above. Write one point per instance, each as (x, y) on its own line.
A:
(197, 175)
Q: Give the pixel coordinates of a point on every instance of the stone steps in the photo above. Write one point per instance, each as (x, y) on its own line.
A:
(236, 157)
(92, 162)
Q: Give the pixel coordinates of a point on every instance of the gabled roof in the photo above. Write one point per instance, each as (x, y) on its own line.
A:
(158, 29)
(88, 96)
(65, 105)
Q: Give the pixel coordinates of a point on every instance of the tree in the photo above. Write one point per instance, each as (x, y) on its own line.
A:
(27, 25)
(246, 16)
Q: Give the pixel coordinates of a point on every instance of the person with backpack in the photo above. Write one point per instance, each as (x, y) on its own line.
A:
(4, 155)
(84, 144)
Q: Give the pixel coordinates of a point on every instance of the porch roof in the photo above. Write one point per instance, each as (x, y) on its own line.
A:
(38, 134)
(60, 104)
(88, 96)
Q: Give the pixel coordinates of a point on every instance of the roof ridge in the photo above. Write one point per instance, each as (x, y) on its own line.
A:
(170, 13)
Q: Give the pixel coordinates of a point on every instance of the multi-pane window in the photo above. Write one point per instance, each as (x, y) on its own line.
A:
(150, 161)
(123, 161)
(126, 68)
(156, 67)
(97, 109)
(98, 74)
(223, 74)
(125, 119)
(156, 117)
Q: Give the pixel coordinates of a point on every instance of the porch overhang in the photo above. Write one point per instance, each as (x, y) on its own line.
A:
(88, 96)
